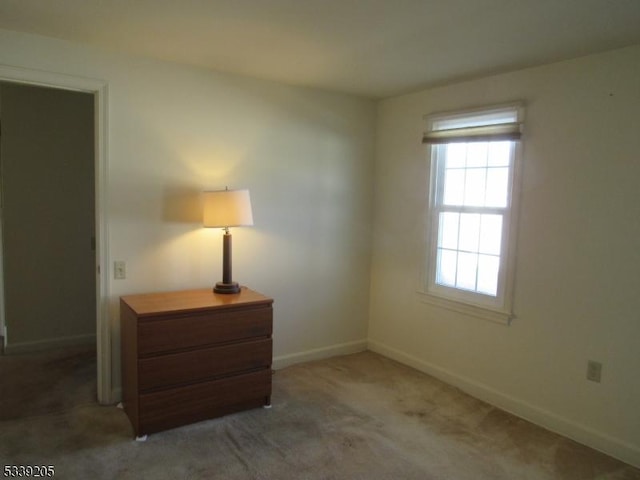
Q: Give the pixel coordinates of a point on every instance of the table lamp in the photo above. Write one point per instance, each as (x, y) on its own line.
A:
(224, 209)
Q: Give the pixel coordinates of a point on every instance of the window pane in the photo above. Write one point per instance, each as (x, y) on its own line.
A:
(453, 186)
(490, 234)
(446, 274)
(448, 234)
(467, 266)
(477, 154)
(499, 154)
(469, 231)
(456, 155)
(488, 267)
(497, 187)
(474, 191)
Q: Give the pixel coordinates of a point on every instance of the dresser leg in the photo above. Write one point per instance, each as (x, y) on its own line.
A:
(142, 438)
(267, 402)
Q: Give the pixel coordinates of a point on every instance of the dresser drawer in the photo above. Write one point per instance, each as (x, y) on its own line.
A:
(174, 332)
(178, 406)
(204, 364)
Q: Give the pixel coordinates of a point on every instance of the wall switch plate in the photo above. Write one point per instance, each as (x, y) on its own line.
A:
(119, 270)
(594, 371)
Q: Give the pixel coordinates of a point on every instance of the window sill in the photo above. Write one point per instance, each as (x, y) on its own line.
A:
(478, 311)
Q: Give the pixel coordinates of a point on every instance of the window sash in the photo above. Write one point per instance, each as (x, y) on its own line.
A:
(480, 296)
(438, 207)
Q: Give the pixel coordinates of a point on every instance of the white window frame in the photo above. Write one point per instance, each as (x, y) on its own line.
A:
(499, 308)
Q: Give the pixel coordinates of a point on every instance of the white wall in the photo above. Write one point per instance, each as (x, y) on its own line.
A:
(577, 292)
(305, 155)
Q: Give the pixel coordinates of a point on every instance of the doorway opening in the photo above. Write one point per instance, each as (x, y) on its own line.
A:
(95, 92)
(48, 217)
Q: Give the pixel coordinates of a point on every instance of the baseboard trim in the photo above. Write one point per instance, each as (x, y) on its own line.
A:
(38, 345)
(614, 447)
(282, 361)
(116, 396)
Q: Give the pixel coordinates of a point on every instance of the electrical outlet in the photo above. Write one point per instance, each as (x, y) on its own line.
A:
(594, 371)
(119, 270)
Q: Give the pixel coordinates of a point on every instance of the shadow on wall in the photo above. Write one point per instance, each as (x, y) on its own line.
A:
(182, 205)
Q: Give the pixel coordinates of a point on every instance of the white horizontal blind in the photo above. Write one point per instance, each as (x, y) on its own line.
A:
(486, 133)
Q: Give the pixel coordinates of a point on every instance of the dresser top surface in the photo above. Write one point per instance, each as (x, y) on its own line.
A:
(191, 300)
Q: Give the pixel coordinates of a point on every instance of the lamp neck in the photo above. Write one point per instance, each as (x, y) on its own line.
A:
(226, 230)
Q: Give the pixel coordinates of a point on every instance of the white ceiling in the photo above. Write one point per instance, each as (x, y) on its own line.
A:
(374, 48)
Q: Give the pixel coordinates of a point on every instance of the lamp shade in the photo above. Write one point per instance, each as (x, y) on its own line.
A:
(227, 208)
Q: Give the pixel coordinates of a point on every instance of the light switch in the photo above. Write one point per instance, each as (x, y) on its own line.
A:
(119, 270)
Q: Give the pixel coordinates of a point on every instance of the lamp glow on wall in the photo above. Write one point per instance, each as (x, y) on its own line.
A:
(224, 209)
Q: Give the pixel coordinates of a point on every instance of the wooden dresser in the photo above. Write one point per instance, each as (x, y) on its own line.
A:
(192, 355)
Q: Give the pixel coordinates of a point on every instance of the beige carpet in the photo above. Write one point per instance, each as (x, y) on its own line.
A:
(355, 417)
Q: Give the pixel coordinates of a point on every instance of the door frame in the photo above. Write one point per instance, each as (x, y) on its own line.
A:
(99, 89)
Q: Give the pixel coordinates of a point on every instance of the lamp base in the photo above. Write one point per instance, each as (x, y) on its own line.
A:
(222, 287)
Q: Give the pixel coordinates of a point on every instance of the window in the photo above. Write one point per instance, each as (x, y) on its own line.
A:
(474, 159)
